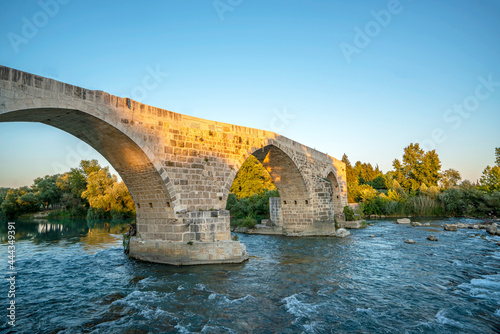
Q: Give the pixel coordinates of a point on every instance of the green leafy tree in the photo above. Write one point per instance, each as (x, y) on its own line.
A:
(47, 191)
(28, 202)
(361, 174)
(10, 206)
(490, 180)
(418, 167)
(73, 182)
(450, 178)
(3, 194)
(379, 182)
(19, 201)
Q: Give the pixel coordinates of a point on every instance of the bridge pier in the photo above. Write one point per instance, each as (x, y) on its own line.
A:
(194, 237)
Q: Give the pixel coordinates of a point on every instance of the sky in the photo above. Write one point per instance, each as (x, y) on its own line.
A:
(365, 78)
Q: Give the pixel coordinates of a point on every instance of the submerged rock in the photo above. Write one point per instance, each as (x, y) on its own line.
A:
(410, 241)
(492, 229)
(450, 227)
(404, 221)
(342, 233)
(372, 235)
(432, 238)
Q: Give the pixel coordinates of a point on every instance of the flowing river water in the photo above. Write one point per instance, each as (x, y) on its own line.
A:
(73, 277)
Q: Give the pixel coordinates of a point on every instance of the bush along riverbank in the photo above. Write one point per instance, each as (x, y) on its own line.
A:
(417, 187)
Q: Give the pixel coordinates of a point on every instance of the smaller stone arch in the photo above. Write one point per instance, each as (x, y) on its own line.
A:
(338, 206)
(295, 203)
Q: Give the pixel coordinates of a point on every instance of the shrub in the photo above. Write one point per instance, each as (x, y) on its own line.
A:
(249, 222)
(349, 213)
(375, 206)
(93, 214)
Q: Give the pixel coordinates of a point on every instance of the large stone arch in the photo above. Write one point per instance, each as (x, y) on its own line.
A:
(151, 197)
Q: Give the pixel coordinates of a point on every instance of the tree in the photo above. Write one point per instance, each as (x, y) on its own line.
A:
(417, 167)
(28, 202)
(379, 182)
(351, 176)
(3, 194)
(252, 178)
(73, 182)
(122, 204)
(97, 184)
(89, 166)
(490, 180)
(10, 206)
(19, 201)
(399, 175)
(47, 191)
(450, 178)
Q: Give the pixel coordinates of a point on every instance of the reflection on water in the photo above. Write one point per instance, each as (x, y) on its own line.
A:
(89, 232)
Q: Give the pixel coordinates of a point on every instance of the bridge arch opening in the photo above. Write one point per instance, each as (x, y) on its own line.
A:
(142, 179)
(291, 207)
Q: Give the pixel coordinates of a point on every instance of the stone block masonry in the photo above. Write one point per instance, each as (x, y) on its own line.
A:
(179, 168)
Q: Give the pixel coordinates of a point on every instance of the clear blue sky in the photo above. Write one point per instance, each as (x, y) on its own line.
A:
(351, 84)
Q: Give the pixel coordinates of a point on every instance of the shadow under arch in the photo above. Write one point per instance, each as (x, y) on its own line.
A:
(126, 156)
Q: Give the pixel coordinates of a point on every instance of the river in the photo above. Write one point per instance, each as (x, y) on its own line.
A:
(73, 277)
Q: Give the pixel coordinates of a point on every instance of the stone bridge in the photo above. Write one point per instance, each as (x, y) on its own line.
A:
(179, 168)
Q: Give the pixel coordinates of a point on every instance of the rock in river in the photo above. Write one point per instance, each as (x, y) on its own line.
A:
(450, 227)
(410, 241)
(432, 238)
(342, 233)
(404, 221)
(492, 229)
